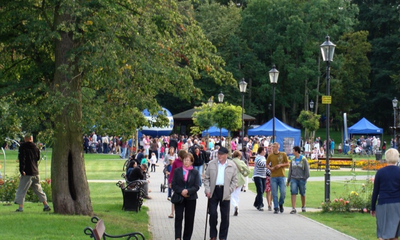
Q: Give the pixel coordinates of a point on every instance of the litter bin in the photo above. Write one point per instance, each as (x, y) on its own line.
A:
(378, 156)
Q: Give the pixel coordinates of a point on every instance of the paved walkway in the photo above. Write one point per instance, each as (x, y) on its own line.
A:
(250, 224)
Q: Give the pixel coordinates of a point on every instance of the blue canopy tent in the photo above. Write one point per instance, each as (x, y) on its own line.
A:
(364, 127)
(286, 136)
(214, 131)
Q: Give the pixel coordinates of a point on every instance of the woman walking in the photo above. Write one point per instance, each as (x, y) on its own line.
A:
(243, 171)
(186, 183)
(259, 176)
(387, 193)
(177, 163)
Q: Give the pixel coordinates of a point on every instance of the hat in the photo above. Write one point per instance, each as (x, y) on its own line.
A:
(222, 150)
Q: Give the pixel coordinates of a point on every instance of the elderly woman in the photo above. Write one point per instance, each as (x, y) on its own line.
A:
(243, 171)
(186, 183)
(387, 192)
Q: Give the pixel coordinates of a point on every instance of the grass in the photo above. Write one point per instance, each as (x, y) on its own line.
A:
(107, 202)
(358, 225)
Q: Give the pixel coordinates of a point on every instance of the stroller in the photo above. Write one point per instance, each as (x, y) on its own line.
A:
(166, 175)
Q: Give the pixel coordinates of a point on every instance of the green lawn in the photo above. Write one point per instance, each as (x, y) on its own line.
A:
(358, 225)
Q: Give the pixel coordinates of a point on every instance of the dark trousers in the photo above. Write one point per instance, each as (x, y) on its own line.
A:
(224, 207)
(189, 206)
(260, 185)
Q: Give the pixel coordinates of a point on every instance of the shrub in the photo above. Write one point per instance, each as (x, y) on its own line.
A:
(352, 199)
(9, 188)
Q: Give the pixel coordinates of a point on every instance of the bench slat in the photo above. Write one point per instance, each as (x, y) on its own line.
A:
(99, 230)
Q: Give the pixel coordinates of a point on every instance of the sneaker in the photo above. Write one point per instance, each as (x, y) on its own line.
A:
(260, 209)
(276, 211)
(281, 209)
(147, 197)
(168, 198)
(293, 211)
(269, 208)
(236, 211)
(303, 209)
(46, 209)
(19, 210)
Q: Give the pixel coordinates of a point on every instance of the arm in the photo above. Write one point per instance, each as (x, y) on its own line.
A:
(196, 186)
(176, 183)
(245, 171)
(289, 175)
(233, 183)
(306, 169)
(375, 194)
(21, 158)
(206, 182)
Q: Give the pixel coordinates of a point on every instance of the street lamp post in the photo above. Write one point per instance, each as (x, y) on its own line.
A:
(327, 51)
(220, 99)
(394, 103)
(242, 88)
(273, 78)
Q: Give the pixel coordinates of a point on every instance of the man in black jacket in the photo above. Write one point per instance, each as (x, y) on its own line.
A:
(28, 156)
(139, 174)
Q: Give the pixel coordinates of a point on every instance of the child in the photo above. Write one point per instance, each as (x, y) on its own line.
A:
(153, 161)
(167, 170)
(145, 160)
(162, 151)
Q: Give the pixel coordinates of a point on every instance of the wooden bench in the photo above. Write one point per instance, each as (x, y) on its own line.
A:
(99, 231)
(343, 159)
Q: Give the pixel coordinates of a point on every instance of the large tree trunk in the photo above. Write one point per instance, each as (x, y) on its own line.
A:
(70, 188)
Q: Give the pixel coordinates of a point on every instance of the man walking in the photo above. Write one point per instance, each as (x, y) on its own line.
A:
(299, 172)
(28, 156)
(219, 182)
(276, 163)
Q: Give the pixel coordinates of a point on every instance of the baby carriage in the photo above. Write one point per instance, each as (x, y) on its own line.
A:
(166, 175)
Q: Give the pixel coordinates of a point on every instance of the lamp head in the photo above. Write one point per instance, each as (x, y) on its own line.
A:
(327, 50)
(242, 86)
(273, 75)
(220, 97)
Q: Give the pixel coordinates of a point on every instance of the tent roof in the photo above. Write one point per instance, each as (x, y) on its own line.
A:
(266, 128)
(215, 131)
(364, 127)
(187, 115)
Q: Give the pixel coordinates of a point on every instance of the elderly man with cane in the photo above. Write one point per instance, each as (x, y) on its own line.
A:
(219, 182)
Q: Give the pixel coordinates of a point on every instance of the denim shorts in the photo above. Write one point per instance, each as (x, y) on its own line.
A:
(297, 185)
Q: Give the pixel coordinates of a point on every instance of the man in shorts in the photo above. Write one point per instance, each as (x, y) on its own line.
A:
(299, 172)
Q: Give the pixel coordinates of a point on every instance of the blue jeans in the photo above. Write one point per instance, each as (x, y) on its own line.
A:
(200, 170)
(260, 185)
(275, 183)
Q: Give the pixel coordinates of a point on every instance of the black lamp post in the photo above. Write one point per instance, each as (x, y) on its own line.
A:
(220, 99)
(327, 51)
(394, 103)
(273, 78)
(242, 88)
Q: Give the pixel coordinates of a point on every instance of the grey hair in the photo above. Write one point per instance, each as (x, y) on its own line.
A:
(392, 156)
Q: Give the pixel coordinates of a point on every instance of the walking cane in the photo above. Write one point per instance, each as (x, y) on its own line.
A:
(205, 230)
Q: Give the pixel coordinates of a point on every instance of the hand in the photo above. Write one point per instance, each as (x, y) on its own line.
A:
(23, 173)
(278, 166)
(170, 185)
(184, 193)
(372, 213)
(287, 184)
(208, 195)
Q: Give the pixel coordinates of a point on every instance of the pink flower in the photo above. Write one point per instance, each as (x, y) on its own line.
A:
(336, 200)
(346, 202)
(365, 210)
(341, 199)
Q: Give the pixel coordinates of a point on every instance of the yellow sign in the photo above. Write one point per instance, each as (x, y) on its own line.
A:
(326, 99)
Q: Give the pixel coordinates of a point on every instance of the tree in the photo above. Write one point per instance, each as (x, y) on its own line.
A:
(309, 121)
(227, 116)
(288, 34)
(203, 118)
(74, 64)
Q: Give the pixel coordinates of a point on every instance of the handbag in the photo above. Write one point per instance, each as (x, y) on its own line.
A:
(176, 198)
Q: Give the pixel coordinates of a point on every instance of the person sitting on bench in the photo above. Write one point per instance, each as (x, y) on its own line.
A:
(139, 174)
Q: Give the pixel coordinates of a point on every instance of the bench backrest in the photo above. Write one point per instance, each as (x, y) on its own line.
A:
(99, 230)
